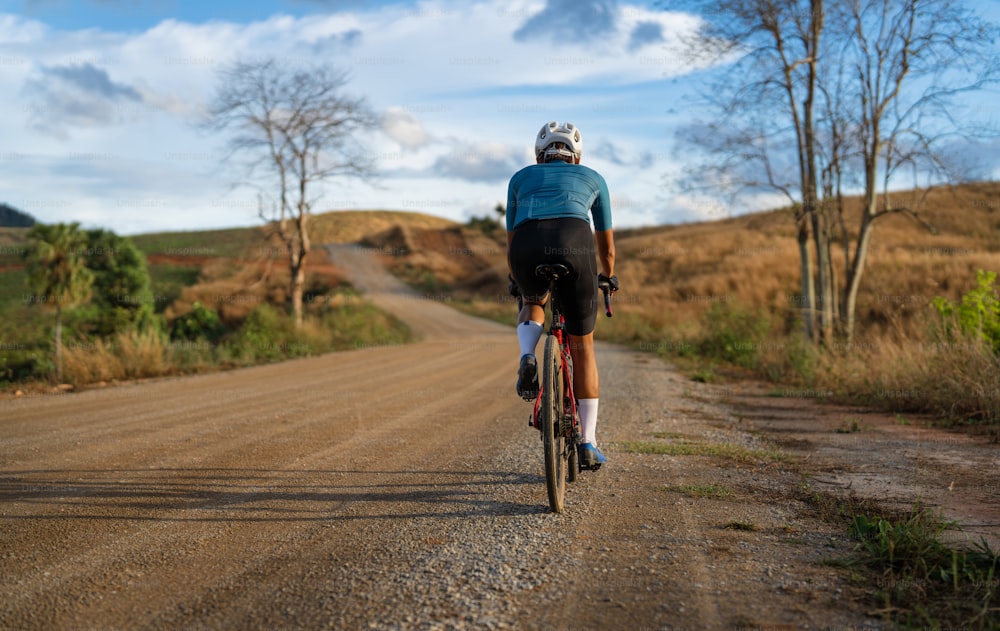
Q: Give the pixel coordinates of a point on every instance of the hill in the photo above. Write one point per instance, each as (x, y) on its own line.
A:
(753, 259)
(670, 275)
(11, 217)
(233, 270)
(329, 227)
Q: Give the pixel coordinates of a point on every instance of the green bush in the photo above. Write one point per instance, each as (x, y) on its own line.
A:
(121, 296)
(18, 365)
(359, 324)
(978, 313)
(734, 334)
(201, 323)
(269, 335)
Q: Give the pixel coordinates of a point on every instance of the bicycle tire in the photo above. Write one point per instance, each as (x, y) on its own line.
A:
(553, 439)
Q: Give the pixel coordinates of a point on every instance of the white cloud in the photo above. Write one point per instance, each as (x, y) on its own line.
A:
(17, 30)
(461, 97)
(62, 97)
(477, 161)
(403, 127)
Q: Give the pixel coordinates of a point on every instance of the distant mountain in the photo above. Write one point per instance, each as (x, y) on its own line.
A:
(11, 217)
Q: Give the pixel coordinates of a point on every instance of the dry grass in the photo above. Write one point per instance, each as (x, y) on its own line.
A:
(728, 288)
(685, 286)
(957, 379)
(126, 356)
(348, 226)
(674, 274)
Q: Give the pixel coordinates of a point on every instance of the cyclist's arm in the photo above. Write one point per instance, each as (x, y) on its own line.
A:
(606, 251)
(510, 269)
(601, 211)
(510, 218)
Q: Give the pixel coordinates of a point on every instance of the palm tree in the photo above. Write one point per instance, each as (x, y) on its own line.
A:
(57, 272)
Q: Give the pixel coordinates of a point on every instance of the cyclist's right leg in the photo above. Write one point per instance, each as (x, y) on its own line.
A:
(580, 310)
(587, 390)
(586, 383)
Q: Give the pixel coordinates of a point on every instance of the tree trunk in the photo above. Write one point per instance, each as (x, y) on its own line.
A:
(302, 243)
(864, 231)
(855, 272)
(59, 365)
(807, 302)
(810, 184)
(298, 285)
(824, 289)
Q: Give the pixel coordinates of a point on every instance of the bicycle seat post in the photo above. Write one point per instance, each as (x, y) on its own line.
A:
(552, 272)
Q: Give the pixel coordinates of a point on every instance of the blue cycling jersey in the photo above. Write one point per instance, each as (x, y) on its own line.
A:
(558, 189)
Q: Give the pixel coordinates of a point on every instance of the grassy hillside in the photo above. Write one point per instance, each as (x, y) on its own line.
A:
(728, 291)
(678, 272)
(239, 274)
(672, 275)
(735, 279)
(252, 242)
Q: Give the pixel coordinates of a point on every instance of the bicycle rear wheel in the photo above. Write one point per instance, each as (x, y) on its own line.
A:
(553, 438)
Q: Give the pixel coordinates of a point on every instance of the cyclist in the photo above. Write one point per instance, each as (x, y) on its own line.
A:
(549, 207)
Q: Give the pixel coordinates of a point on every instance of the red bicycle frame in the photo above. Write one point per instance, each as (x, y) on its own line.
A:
(565, 357)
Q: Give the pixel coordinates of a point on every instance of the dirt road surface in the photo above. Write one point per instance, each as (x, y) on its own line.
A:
(398, 488)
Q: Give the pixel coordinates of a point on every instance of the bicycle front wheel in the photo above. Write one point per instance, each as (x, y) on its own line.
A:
(553, 438)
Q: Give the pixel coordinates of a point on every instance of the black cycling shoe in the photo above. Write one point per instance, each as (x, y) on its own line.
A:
(527, 378)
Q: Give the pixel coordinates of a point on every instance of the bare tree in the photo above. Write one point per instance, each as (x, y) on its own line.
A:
(860, 91)
(911, 59)
(765, 103)
(295, 127)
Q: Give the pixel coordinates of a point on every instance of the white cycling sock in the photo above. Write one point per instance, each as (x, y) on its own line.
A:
(528, 334)
(588, 420)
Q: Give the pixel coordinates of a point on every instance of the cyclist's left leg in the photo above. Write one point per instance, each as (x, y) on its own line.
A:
(530, 321)
(523, 249)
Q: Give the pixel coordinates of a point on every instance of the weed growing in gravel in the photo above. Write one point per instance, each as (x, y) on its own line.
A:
(718, 450)
(740, 525)
(916, 579)
(853, 426)
(715, 491)
(921, 581)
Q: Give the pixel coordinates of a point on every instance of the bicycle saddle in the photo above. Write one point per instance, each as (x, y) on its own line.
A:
(551, 271)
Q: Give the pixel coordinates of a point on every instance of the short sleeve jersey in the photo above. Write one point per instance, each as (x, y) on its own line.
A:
(558, 189)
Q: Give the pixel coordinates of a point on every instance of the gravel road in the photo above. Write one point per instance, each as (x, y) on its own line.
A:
(394, 488)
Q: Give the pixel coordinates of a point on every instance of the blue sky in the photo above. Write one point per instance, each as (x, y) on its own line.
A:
(103, 97)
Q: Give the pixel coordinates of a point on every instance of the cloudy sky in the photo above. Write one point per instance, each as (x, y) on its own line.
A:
(102, 100)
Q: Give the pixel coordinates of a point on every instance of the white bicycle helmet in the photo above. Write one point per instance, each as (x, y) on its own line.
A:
(558, 141)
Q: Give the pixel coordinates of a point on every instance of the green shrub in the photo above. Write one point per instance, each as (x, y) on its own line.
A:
(268, 335)
(201, 323)
(359, 324)
(18, 365)
(978, 313)
(734, 334)
(121, 297)
(795, 360)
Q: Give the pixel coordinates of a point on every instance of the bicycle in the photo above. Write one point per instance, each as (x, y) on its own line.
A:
(555, 413)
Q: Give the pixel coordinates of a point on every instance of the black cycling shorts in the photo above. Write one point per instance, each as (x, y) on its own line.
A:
(564, 240)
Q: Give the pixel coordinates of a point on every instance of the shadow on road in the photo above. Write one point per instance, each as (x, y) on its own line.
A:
(206, 494)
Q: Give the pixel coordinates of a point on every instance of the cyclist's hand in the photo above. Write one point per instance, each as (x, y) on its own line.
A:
(611, 282)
